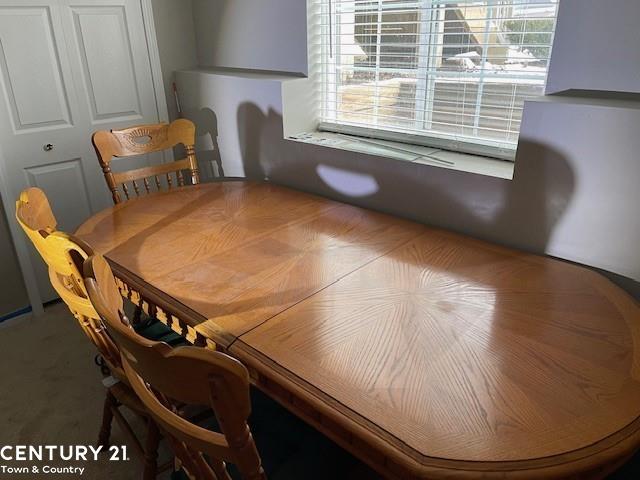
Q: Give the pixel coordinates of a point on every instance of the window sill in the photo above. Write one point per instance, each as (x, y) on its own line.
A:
(432, 157)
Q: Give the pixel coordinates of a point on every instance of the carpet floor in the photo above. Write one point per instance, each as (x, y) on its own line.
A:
(53, 394)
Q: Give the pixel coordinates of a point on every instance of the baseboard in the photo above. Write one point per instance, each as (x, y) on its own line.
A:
(15, 314)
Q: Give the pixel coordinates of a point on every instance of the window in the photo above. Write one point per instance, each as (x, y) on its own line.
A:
(449, 74)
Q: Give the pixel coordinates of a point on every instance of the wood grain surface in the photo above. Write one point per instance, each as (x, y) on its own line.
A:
(240, 253)
(434, 354)
(465, 351)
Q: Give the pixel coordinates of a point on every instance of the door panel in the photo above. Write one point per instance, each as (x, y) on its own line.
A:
(107, 61)
(115, 68)
(111, 56)
(34, 90)
(68, 68)
(53, 179)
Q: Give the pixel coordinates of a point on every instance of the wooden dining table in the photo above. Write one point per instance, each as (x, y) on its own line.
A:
(425, 353)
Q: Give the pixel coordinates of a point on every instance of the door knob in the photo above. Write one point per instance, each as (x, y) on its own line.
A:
(48, 147)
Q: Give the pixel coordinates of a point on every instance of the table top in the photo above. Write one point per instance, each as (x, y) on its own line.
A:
(238, 253)
(447, 347)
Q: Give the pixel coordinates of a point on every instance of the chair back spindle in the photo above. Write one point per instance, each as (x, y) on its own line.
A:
(141, 140)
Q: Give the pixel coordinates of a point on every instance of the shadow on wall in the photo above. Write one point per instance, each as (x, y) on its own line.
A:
(207, 149)
(520, 213)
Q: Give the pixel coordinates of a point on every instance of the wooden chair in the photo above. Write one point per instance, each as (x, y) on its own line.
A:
(65, 255)
(189, 375)
(144, 139)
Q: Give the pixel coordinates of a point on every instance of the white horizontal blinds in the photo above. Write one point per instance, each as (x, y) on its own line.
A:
(455, 70)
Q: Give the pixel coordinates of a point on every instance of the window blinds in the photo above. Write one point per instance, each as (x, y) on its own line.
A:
(452, 74)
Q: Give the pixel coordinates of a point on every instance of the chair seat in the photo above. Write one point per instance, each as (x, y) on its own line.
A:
(153, 329)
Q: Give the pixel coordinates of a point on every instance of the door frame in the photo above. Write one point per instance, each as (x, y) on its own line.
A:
(17, 235)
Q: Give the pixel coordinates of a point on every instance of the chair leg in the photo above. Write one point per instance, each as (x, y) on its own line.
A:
(107, 418)
(151, 451)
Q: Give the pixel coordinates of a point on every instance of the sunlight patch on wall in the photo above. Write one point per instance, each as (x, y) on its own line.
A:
(348, 183)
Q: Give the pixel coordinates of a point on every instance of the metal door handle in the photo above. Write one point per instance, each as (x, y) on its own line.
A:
(48, 147)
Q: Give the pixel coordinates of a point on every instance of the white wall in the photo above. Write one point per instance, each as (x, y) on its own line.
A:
(573, 194)
(600, 224)
(597, 46)
(176, 37)
(254, 34)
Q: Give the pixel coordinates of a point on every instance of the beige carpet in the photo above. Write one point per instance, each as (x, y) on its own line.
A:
(52, 393)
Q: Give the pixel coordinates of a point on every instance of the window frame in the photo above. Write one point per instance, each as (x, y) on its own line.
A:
(427, 75)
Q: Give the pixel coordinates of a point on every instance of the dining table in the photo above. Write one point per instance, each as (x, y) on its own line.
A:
(425, 353)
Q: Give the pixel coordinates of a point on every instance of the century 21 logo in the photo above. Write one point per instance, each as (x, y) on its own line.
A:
(31, 453)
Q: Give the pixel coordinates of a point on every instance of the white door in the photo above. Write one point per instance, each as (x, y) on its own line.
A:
(67, 68)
